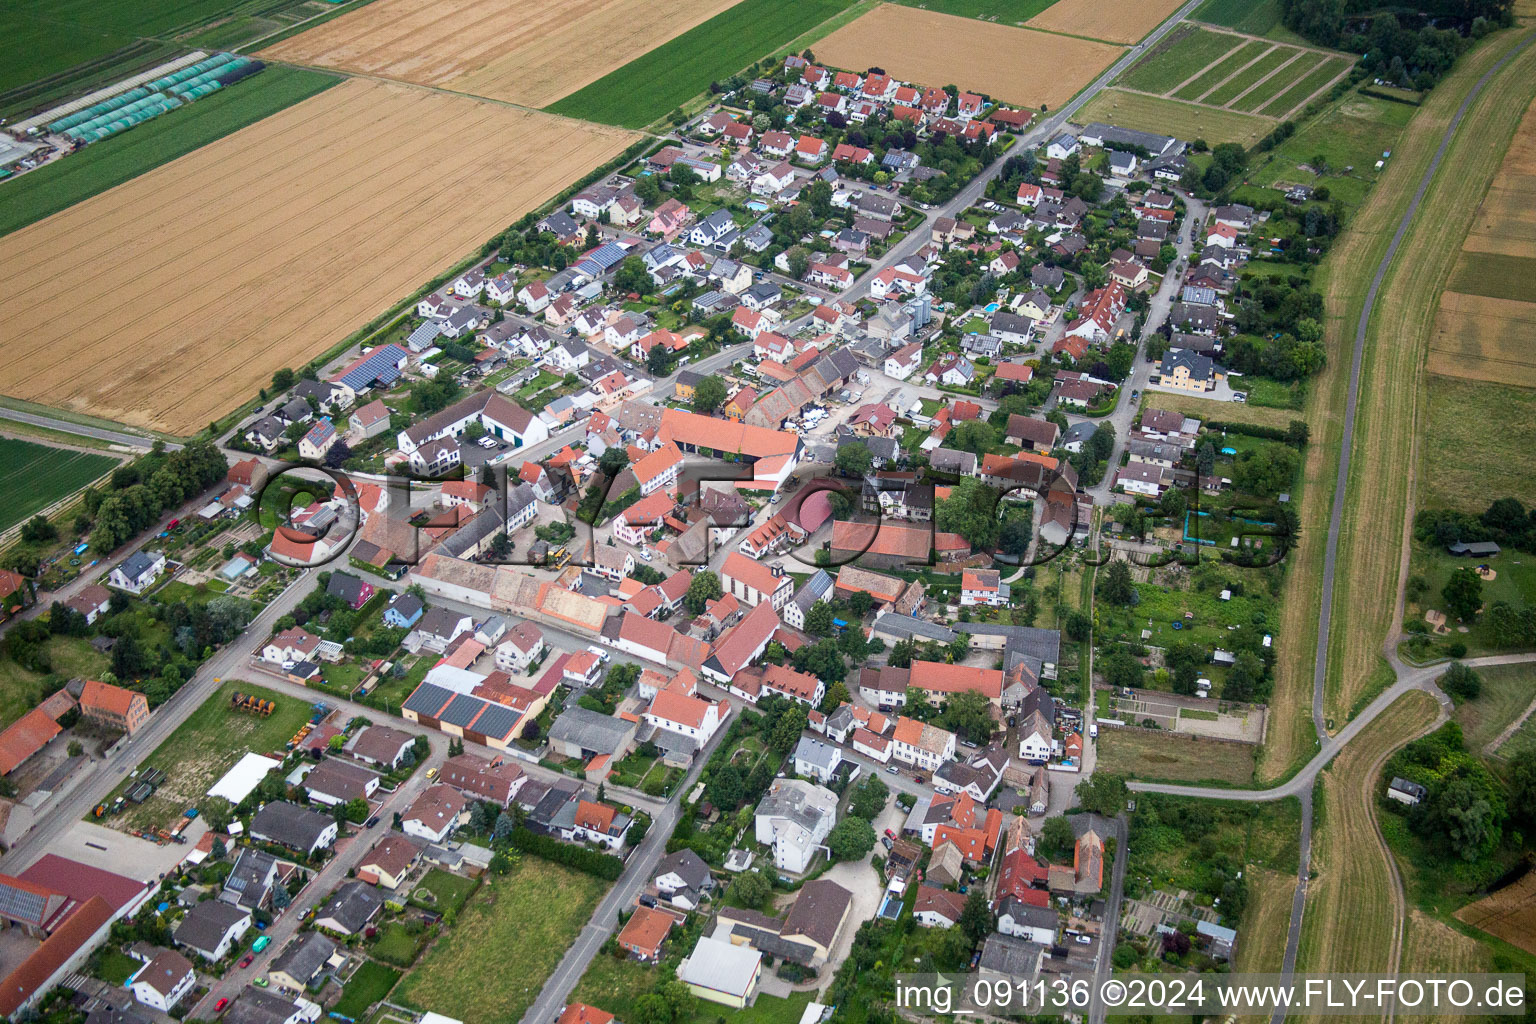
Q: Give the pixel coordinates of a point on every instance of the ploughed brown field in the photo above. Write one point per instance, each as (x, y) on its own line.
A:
(188, 286)
(520, 51)
(1482, 338)
(1119, 21)
(1014, 65)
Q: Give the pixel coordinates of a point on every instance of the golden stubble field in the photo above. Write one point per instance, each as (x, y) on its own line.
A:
(188, 286)
(1010, 64)
(1482, 338)
(1506, 220)
(1119, 21)
(520, 51)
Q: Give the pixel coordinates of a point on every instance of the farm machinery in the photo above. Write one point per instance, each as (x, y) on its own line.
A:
(252, 704)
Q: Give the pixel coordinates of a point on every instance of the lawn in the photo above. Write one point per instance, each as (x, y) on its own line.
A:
(1183, 120)
(1514, 582)
(207, 745)
(1459, 448)
(1221, 72)
(1261, 835)
(397, 945)
(1507, 691)
(1354, 133)
(651, 85)
(1181, 54)
(20, 689)
(115, 966)
(24, 464)
(613, 985)
(368, 984)
(1008, 12)
(448, 892)
(101, 165)
(529, 916)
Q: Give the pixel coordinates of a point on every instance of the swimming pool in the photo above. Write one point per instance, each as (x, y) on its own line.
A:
(992, 307)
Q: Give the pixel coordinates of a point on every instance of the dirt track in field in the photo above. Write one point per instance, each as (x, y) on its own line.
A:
(1012, 64)
(1118, 21)
(520, 51)
(188, 286)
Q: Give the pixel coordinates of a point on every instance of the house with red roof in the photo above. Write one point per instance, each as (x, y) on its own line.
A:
(810, 149)
(754, 583)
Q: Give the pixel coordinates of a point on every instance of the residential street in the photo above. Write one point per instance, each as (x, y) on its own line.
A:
(350, 853)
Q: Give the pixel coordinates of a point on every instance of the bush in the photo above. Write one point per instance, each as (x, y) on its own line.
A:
(600, 865)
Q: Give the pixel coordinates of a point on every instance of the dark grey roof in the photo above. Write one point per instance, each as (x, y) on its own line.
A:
(907, 626)
(352, 906)
(205, 925)
(1028, 914)
(461, 710)
(306, 956)
(251, 875)
(497, 720)
(1004, 954)
(259, 1006)
(687, 865)
(427, 699)
(290, 825)
(345, 586)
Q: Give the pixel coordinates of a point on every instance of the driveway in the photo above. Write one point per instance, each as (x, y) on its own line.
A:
(859, 878)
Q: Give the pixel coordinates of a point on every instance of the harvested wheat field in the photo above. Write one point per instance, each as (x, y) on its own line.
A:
(520, 51)
(1021, 67)
(1506, 219)
(194, 282)
(1480, 338)
(1509, 913)
(1119, 21)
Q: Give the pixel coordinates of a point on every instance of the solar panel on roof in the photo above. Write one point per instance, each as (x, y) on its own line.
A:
(496, 721)
(461, 710)
(427, 699)
(381, 367)
(21, 905)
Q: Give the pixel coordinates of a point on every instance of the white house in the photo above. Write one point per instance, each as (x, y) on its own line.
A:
(904, 362)
(816, 759)
(434, 814)
(163, 981)
(921, 745)
(794, 818)
(684, 714)
(138, 572)
(1026, 921)
(211, 928)
(1035, 740)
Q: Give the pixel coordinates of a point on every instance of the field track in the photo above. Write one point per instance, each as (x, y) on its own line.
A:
(1028, 69)
(1352, 899)
(519, 51)
(196, 281)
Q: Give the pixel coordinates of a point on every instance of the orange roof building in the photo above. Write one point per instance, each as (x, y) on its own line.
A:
(113, 706)
(25, 737)
(645, 931)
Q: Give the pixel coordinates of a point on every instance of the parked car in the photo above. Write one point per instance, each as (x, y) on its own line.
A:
(892, 770)
(890, 833)
(261, 983)
(886, 841)
(219, 1006)
(1084, 940)
(246, 960)
(1093, 730)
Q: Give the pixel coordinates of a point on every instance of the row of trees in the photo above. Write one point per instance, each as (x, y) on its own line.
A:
(145, 489)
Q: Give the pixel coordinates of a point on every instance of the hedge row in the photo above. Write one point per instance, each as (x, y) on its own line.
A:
(602, 865)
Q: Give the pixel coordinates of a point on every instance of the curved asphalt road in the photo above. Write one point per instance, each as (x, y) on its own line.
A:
(1407, 679)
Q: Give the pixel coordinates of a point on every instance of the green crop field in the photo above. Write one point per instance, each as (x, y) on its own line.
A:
(651, 85)
(34, 476)
(1237, 84)
(50, 44)
(1256, 17)
(112, 161)
(1280, 82)
(1325, 72)
(1221, 72)
(1495, 276)
(1008, 12)
(1183, 53)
